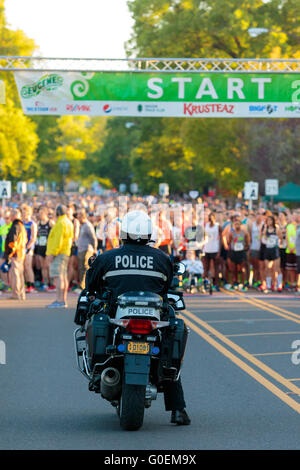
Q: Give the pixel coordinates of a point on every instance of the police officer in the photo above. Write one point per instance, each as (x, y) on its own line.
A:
(138, 266)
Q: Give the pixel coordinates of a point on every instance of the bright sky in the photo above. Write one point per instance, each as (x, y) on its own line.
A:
(73, 28)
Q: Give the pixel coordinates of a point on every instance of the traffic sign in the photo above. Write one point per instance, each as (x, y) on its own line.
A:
(134, 188)
(64, 166)
(21, 187)
(122, 188)
(164, 189)
(194, 194)
(271, 187)
(5, 189)
(251, 190)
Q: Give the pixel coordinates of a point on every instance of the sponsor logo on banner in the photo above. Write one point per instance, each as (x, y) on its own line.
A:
(267, 108)
(295, 108)
(191, 109)
(78, 107)
(40, 107)
(49, 82)
(107, 108)
(151, 108)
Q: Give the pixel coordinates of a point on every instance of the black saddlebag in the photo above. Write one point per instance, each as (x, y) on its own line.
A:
(99, 334)
(173, 347)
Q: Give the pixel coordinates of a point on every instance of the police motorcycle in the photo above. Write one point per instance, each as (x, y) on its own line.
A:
(129, 357)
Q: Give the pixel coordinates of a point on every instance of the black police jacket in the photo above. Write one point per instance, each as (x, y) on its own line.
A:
(130, 268)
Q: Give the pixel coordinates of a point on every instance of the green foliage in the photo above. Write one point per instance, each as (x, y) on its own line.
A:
(226, 151)
(162, 156)
(18, 142)
(72, 138)
(18, 138)
(187, 153)
(214, 28)
(113, 159)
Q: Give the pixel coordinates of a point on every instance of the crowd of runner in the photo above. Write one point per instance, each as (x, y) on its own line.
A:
(235, 248)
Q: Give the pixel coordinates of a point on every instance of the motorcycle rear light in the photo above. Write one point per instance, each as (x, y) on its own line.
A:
(140, 327)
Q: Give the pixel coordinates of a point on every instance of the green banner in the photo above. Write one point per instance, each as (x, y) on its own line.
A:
(192, 87)
(161, 94)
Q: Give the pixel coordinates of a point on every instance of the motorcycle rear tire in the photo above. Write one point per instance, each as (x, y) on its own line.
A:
(132, 407)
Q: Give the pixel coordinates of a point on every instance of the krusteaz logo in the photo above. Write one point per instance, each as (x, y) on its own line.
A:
(49, 82)
(2, 353)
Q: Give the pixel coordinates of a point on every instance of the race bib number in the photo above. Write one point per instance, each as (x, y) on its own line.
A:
(42, 241)
(272, 241)
(238, 246)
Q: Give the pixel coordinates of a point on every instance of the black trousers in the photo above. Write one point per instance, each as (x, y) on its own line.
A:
(173, 395)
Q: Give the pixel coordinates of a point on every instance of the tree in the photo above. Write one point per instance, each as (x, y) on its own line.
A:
(18, 142)
(18, 138)
(162, 156)
(112, 160)
(193, 28)
(72, 138)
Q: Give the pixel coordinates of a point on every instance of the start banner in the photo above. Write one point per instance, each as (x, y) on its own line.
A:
(242, 95)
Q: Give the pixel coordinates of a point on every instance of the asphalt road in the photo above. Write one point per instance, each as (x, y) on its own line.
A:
(240, 377)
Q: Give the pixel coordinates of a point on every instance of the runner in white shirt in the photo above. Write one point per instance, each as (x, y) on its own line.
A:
(212, 249)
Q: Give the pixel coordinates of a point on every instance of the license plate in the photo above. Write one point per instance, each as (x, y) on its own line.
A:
(138, 348)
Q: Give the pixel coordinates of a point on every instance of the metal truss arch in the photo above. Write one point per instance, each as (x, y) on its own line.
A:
(161, 65)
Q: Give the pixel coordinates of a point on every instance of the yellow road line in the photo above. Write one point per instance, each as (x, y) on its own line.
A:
(245, 320)
(265, 334)
(276, 307)
(269, 308)
(272, 373)
(272, 354)
(256, 375)
(272, 306)
(196, 299)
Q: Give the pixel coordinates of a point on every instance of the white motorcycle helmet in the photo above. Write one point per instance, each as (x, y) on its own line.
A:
(136, 227)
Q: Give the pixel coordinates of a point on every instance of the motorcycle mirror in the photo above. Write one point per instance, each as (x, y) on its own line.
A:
(91, 260)
(179, 268)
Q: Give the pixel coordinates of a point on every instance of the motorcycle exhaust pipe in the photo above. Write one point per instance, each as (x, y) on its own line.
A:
(110, 383)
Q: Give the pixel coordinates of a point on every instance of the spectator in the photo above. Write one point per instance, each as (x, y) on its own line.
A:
(272, 237)
(112, 229)
(4, 229)
(31, 229)
(291, 252)
(59, 250)
(87, 245)
(238, 241)
(165, 226)
(194, 271)
(100, 233)
(73, 261)
(43, 231)
(282, 222)
(254, 230)
(15, 249)
(212, 249)
(297, 219)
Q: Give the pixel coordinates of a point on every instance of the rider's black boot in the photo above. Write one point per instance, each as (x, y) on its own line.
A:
(180, 417)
